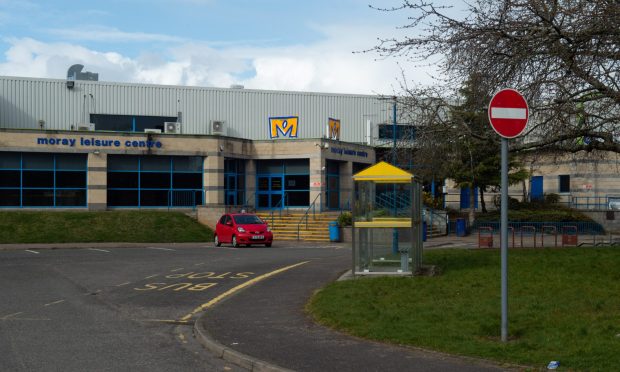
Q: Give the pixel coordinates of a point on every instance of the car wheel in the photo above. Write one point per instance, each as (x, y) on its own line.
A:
(234, 242)
(267, 245)
(216, 241)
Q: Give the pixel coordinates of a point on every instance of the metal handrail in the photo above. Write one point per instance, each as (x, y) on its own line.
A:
(278, 206)
(306, 214)
(247, 201)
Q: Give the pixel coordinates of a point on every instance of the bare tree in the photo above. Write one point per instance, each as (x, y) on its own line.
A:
(564, 56)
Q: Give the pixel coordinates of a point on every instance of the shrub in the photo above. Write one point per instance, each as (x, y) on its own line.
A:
(552, 198)
(345, 219)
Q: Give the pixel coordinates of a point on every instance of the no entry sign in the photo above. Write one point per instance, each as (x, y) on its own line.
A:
(508, 113)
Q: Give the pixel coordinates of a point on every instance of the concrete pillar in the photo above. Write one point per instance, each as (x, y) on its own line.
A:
(214, 179)
(317, 181)
(346, 184)
(250, 183)
(97, 182)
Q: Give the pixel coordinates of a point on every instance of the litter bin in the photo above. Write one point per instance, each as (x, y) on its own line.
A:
(334, 232)
(424, 231)
(460, 227)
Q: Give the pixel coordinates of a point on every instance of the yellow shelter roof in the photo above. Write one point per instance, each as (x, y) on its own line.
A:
(383, 172)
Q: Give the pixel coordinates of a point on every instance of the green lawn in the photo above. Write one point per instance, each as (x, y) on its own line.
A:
(109, 226)
(564, 304)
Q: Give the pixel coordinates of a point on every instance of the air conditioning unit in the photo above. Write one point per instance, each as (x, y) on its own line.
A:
(152, 130)
(86, 126)
(218, 128)
(172, 127)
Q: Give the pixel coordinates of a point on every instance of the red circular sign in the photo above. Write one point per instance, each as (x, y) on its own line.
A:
(508, 113)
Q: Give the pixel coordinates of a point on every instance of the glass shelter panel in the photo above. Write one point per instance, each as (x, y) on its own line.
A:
(387, 222)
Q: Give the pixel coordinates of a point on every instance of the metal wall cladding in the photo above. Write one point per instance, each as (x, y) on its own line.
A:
(26, 102)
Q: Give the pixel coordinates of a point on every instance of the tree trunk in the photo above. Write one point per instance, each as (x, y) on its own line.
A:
(483, 205)
(472, 210)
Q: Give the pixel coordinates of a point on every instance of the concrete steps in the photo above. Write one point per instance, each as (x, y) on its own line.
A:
(287, 226)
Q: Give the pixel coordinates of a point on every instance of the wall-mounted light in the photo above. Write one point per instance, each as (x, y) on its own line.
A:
(70, 84)
(96, 152)
(322, 146)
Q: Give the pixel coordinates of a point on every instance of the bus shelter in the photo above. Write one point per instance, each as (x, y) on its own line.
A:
(387, 221)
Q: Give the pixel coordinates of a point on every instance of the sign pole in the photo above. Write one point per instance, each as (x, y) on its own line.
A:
(508, 116)
(504, 238)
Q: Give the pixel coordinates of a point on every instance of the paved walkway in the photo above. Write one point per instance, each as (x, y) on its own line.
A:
(267, 329)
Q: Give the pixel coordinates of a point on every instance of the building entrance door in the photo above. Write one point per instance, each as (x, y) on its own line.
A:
(231, 189)
(270, 192)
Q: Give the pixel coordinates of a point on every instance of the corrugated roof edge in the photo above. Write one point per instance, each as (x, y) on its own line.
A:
(87, 82)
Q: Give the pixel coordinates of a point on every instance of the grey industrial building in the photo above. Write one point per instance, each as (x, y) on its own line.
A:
(100, 145)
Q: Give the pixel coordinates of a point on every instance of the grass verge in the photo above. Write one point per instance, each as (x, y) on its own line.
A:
(109, 226)
(563, 305)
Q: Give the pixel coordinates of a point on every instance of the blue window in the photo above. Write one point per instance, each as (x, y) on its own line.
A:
(564, 181)
(42, 180)
(129, 123)
(403, 132)
(154, 181)
(282, 183)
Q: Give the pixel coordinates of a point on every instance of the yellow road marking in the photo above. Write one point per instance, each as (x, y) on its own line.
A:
(54, 303)
(238, 288)
(168, 321)
(173, 270)
(10, 315)
(122, 284)
(152, 276)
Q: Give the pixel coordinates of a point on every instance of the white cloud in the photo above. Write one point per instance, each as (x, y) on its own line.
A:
(325, 66)
(109, 34)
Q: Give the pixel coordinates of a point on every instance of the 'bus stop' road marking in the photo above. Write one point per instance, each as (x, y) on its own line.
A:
(238, 288)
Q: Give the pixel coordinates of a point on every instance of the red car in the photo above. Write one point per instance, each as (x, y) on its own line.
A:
(242, 228)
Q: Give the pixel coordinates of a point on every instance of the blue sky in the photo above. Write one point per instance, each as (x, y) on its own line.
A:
(262, 44)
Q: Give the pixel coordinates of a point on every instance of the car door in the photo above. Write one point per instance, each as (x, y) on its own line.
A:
(227, 228)
(219, 228)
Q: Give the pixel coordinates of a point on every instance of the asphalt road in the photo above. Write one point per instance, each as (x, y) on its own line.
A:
(113, 309)
(133, 308)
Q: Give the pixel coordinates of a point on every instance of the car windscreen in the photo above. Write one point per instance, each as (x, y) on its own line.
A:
(249, 219)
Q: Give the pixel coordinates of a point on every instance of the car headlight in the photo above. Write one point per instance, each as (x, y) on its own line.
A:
(268, 229)
(240, 229)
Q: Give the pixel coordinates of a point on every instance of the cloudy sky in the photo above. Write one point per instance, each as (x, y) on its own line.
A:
(262, 44)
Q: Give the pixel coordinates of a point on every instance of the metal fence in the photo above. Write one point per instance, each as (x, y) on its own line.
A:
(591, 228)
(182, 199)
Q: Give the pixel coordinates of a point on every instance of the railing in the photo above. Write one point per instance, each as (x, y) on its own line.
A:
(595, 202)
(307, 214)
(182, 199)
(400, 204)
(246, 205)
(591, 228)
(281, 205)
(437, 219)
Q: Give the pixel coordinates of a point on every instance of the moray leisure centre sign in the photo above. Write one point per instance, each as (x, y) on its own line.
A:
(508, 113)
(97, 142)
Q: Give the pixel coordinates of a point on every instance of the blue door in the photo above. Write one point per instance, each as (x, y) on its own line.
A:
(231, 189)
(536, 188)
(270, 192)
(465, 191)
